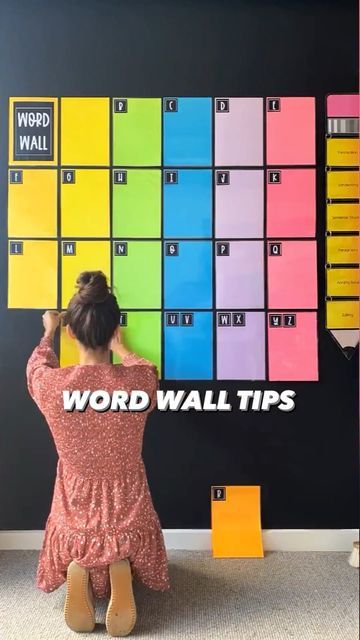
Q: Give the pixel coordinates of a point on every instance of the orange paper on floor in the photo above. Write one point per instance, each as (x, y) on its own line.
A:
(236, 522)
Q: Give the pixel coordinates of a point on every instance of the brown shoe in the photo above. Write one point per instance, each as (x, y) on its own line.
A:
(79, 605)
(121, 612)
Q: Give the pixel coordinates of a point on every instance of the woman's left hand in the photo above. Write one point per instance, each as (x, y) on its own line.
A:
(51, 321)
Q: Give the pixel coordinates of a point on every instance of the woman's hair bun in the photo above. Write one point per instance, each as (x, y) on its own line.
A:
(92, 287)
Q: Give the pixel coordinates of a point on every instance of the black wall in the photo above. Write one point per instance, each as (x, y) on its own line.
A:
(305, 461)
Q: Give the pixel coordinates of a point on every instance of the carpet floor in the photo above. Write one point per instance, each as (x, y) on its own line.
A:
(302, 596)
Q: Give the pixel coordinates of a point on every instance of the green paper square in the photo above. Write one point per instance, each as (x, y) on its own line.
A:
(137, 133)
(137, 275)
(137, 205)
(142, 334)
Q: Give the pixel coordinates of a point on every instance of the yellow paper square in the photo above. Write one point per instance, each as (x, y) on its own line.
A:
(342, 249)
(69, 352)
(90, 255)
(85, 131)
(342, 152)
(32, 204)
(342, 314)
(342, 216)
(85, 204)
(342, 184)
(32, 282)
(342, 283)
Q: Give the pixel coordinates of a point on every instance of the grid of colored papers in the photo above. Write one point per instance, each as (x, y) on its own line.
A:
(201, 211)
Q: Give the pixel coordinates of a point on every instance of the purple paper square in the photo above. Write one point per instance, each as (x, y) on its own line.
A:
(239, 133)
(240, 276)
(239, 205)
(241, 349)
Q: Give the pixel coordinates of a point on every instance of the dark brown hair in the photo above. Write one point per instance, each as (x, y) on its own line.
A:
(93, 312)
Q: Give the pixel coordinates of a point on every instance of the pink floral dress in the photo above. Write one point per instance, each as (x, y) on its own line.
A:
(102, 509)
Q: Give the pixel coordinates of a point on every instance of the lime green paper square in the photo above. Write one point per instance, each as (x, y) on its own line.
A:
(137, 205)
(142, 334)
(137, 275)
(137, 133)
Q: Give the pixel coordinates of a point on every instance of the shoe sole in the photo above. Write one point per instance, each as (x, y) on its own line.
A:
(79, 610)
(121, 612)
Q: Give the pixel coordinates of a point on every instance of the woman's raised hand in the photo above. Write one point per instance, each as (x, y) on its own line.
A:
(116, 345)
(51, 321)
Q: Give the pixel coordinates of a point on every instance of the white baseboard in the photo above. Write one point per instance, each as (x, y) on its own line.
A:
(200, 539)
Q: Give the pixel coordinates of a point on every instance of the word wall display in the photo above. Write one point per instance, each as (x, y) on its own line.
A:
(201, 212)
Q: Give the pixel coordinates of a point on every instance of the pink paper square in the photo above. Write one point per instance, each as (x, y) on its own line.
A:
(292, 274)
(291, 203)
(290, 132)
(293, 351)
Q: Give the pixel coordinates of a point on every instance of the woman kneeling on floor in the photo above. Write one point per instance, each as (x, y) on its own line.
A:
(102, 529)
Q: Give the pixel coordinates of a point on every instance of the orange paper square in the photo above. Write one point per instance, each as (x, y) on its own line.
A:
(236, 522)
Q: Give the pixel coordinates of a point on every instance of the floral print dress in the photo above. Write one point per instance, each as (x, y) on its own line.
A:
(102, 509)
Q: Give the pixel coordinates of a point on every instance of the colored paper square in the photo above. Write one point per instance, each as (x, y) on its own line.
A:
(239, 204)
(342, 152)
(188, 275)
(32, 280)
(236, 523)
(85, 131)
(342, 249)
(292, 275)
(187, 133)
(240, 276)
(85, 204)
(137, 132)
(137, 275)
(290, 131)
(17, 106)
(343, 105)
(342, 184)
(69, 352)
(137, 204)
(241, 349)
(189, 349)
(239, 132)
(342, 283)
(32, 203)
(142, 335)
(342, 216)
(87, 255)
(188, 204)
(293, 351)
(291, 203)
(342, 314)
